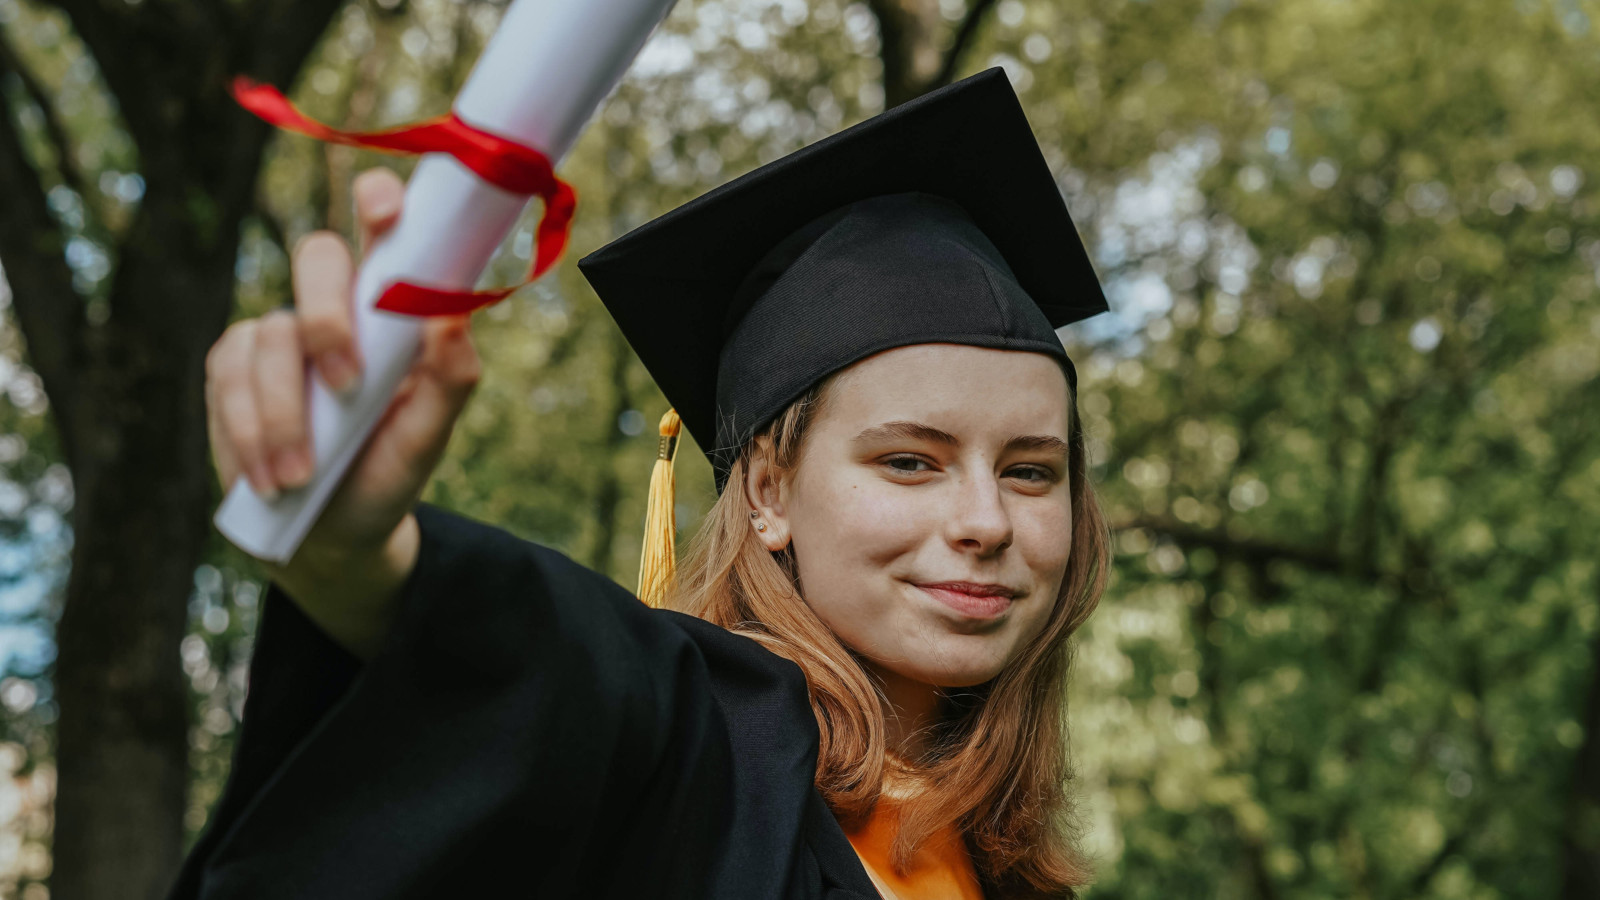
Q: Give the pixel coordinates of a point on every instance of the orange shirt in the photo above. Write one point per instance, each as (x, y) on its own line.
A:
(941, 870)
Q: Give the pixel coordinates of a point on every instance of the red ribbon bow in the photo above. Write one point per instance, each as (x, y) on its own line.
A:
(501, 162)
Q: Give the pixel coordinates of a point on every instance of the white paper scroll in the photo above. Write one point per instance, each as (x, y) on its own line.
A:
(545, 71)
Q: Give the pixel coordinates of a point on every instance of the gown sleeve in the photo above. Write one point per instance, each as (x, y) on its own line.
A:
(526, 723)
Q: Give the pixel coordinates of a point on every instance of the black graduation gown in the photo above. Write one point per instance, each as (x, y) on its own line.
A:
(528, 728)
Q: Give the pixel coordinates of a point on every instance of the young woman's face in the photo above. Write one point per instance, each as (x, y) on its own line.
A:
(929, 510)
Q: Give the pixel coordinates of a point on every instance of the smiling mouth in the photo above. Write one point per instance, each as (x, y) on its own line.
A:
(971, 600)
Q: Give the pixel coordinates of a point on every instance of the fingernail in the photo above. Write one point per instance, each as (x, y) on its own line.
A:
(261, 480)
(338, 371)
(293, 467)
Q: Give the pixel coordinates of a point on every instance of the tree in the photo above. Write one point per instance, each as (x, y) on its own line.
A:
(1338, 415)
(122, 362)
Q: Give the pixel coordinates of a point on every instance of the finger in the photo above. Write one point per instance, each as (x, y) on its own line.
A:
(448, 355)
(322, 295)
(236, 404)
(445, 377)
(222, 456)
(379, 194)
(278, 378)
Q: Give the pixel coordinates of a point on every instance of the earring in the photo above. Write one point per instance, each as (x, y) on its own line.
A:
(761, 526)
(754, 514)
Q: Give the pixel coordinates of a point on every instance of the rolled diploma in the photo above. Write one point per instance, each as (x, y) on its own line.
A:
(547, 68)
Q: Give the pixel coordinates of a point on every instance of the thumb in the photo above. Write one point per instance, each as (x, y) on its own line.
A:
(440, 383)
(448, 355)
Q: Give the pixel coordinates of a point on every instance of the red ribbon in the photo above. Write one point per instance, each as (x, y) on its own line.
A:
(503, 163)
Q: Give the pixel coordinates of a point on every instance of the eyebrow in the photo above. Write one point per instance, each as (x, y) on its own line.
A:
(916, 431)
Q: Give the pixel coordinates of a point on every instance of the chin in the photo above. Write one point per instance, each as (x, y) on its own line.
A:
(967, 679)
(954, 671)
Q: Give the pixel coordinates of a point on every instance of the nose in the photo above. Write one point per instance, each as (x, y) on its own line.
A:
(979, 522)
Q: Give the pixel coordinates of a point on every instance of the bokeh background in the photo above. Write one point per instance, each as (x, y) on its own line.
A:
(1343, 413)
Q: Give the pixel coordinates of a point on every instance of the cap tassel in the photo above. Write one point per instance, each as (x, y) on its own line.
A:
(657, 561)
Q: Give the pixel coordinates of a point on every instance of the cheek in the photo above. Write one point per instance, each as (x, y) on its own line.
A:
(1045, 540)
(851, 539)
(854, 522)
(1045, 544)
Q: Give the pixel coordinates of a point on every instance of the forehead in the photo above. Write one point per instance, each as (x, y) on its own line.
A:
(953, 385)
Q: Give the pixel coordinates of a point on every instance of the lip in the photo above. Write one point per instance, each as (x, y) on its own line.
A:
(977, 601)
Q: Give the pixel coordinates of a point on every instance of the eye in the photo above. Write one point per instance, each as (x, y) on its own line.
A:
(1033, 474)
(910, 465)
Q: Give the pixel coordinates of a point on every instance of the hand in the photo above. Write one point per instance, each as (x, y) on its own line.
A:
(364, 544)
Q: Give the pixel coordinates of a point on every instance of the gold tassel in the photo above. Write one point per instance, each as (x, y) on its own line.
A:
(660, 520)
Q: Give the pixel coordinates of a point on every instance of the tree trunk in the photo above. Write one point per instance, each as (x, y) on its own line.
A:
(1582, 843)
(127, 396)
(140, 520)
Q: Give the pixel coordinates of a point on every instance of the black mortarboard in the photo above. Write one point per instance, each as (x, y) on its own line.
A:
(935, 222)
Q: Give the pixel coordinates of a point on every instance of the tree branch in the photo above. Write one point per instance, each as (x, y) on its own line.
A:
(1242, 549)
(48, 309)
(280, 34)
(894, 50)
(1260, 876)
(908, 31)
(958, 47)
(66, 164)
(1451, 847)
(113, 38)
(1472, 817)
(1581, 831)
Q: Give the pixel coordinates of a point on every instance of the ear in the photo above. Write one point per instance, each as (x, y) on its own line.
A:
(763, 492)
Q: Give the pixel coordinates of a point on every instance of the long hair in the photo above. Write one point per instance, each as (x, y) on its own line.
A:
(999, 767)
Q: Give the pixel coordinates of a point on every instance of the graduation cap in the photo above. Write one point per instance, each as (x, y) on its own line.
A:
(937, 221)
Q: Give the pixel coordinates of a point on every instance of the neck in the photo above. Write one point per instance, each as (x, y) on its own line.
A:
(909, 708)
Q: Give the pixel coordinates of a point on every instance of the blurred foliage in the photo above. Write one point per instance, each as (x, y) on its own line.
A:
(1342, 415)
(1344, 429)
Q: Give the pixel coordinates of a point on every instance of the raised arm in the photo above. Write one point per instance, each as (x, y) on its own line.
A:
(348, 569)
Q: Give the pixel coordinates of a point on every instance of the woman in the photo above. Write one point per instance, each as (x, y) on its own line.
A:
(859, 687)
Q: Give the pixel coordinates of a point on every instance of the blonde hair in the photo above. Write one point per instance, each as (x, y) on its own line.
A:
(999, 768)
